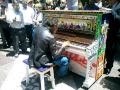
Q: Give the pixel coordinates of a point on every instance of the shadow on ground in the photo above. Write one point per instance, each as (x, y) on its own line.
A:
(34, 83)
(111, 83)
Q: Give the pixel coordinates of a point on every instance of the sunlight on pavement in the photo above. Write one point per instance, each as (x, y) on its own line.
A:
(16, 75)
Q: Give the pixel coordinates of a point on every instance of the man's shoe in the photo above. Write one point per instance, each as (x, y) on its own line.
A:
(107, 71)
(5, 46)
(25, 52)
(16, 55)
(119, 70)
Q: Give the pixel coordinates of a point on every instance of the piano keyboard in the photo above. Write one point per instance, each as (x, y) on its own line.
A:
(73, 45)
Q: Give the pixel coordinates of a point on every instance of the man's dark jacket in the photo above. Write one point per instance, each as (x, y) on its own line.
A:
(43, 43)
(113, 35)
(115, 20)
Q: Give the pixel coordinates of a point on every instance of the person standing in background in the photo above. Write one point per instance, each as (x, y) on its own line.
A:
(30, 3)
(49, 4)
(84, 1)
(98, 3)
(90, 6)
(38, 15)
(2, 24)
(28, 16)
(80, 5)
(5, 29)
(113, 35)
(72, 4)
(18, 33)
(62, 6)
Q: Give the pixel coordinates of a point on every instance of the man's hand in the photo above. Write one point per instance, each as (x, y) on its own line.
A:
(66, 43)
(48, 64)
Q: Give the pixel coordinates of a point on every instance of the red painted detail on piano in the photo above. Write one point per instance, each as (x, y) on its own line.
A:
(94, 65)
(80, 59)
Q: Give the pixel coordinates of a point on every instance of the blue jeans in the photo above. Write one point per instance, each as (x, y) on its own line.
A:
(62, 63)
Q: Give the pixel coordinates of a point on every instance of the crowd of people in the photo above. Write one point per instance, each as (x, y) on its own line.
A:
(20, 19)
(17, 27)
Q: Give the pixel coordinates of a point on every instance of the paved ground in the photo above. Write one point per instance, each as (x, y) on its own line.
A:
(13, 72)
(6, 64)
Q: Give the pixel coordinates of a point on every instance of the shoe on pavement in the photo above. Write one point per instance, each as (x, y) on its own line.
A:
(25, 52)
(107, 71)
(5, 46)
(16, 55)
(119, 70)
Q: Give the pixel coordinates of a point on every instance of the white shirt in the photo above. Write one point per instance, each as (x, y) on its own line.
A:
(10, 6)
(99, 4)
(11, 15)
(38, 18)
(8, 15)
(28, 15)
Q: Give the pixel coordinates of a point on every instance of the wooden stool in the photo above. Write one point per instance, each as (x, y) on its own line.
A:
(41, 71)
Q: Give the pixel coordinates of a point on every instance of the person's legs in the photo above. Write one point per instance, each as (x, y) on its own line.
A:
(23, 40)
(117, 56)
(16, 41)
(7, 30)
(62, 64)
(3, 38)
(29, 30)
(4, 43)
(110, 54)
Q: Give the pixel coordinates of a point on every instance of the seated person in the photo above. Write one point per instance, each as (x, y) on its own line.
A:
(43, 49)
